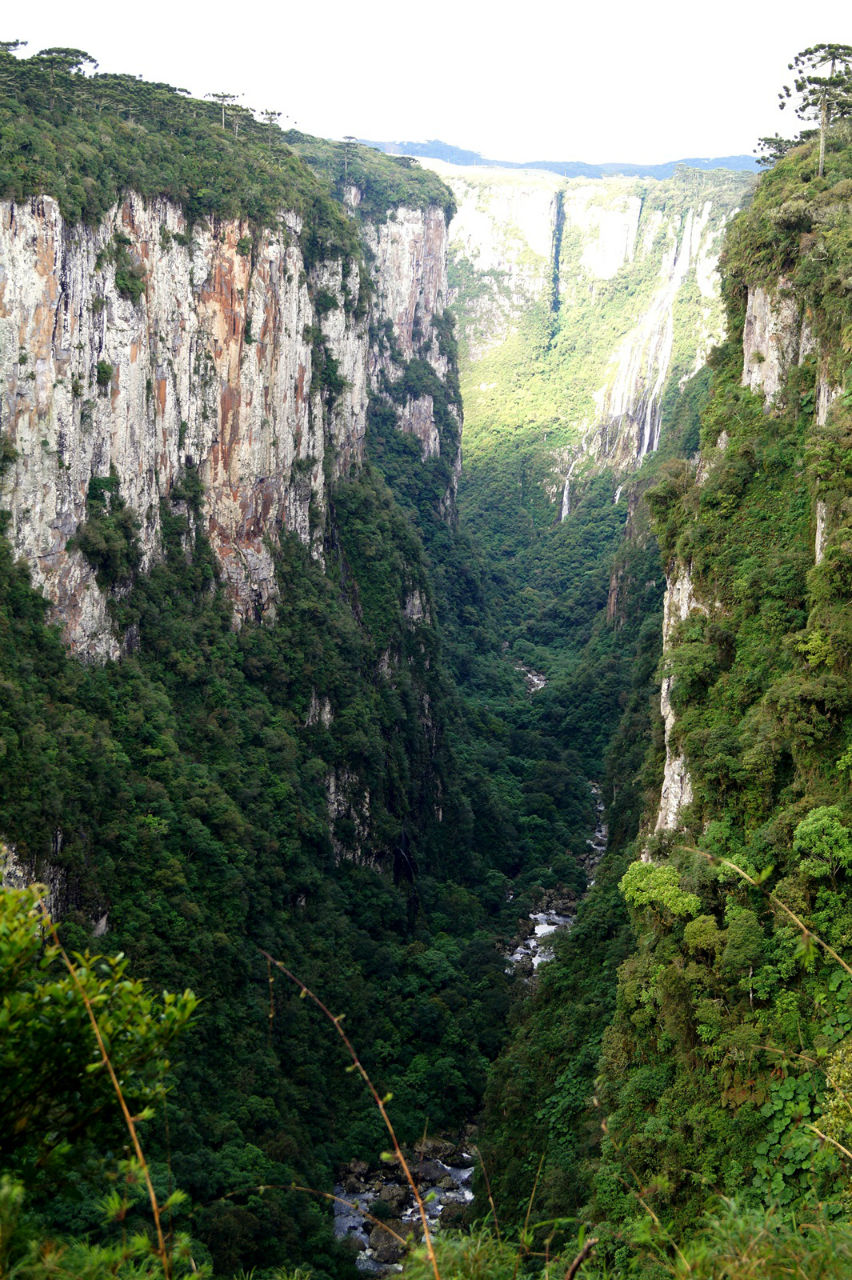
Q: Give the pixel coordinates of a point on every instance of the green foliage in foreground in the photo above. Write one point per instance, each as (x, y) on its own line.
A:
(731, 1243)
(61, 1130)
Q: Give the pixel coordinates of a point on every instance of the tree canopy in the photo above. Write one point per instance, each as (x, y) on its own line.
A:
(821, 89)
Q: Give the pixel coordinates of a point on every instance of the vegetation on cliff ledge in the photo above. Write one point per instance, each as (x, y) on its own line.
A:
(724, 1071)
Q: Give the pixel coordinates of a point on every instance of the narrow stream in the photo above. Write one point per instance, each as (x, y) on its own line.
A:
(443, 1171)
(554, 914)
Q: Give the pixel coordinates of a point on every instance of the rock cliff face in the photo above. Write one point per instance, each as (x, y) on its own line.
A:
(628, 406)
(235, 359)
(408, 253)
(777, 336)
(676, 793)
(610, 288)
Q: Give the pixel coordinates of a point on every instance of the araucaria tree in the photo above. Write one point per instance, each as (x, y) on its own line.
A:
(823, 86)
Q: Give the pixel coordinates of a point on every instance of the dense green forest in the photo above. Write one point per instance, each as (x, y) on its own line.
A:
(180, 796)
(675, 1082)
(720, 1085)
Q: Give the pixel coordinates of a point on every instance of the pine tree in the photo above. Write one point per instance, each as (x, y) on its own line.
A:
(821, 96)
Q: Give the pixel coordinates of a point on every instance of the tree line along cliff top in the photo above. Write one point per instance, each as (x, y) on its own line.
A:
(87, 139)
(796, 229)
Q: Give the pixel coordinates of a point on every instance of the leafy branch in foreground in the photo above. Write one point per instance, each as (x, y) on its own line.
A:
(57, 1112)
(129, 1120)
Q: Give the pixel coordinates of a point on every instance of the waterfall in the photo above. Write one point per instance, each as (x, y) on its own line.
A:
(566, 493)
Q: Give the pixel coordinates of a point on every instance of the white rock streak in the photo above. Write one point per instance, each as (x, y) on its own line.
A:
(680, 600)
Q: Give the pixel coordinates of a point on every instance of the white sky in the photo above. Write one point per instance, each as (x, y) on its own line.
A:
(586, 80)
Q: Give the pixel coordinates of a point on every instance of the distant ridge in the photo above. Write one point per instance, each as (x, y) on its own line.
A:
(437, 150)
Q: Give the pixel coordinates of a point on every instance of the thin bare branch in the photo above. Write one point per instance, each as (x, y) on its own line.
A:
(336, 1022)
(581, 1258)
(819, 1133)
(351, 1204)
(488, 1190)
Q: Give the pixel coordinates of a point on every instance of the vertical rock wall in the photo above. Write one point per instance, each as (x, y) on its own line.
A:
(776, 336)
(676, 793)
(408, 255)
(218, 365)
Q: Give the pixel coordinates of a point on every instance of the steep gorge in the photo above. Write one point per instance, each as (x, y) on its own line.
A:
(263, 749)
(584, 308)
(303, 727)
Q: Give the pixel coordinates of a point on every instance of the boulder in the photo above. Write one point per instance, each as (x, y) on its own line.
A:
(386, 1248)
(452, 1215)
(394, 1195)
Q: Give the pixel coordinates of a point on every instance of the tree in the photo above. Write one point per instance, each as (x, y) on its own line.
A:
(770, 150)
(52, 1083)
(269, 119)
(240, 115)
(224, 100)
(69, 61)
(823, 83)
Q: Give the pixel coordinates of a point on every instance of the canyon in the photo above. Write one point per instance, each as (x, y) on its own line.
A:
(295, 704)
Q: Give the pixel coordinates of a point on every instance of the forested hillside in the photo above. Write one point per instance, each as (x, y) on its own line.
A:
(724, 1071)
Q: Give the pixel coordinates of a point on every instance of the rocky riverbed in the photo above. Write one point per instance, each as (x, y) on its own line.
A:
(375, 1205)
(556, 910)
(443, 1172)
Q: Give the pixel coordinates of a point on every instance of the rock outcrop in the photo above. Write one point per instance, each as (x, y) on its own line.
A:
(776, 337)
(679, 601)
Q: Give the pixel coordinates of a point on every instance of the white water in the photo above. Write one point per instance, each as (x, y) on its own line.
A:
(534, 680)
(350, 1222)
(545, 923)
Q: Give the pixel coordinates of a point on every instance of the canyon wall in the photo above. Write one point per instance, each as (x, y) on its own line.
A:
(601, 293)
(142, 348)
(777, 336)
